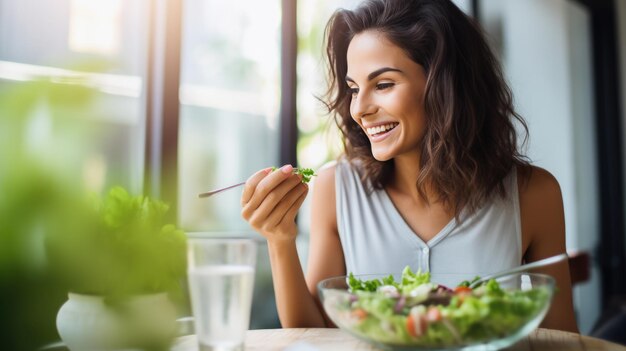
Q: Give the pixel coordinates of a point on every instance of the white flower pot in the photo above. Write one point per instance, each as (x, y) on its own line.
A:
(87, 322)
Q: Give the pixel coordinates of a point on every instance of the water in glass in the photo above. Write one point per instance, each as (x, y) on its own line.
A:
(221, 296)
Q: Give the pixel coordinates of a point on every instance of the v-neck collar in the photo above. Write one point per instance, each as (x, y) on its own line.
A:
(399, 219)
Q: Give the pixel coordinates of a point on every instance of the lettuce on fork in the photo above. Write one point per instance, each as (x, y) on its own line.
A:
(306, 173)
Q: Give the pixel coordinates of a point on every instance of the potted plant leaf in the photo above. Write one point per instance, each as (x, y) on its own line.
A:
(122, 263)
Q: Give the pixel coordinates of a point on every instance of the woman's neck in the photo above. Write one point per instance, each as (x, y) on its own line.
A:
(406, 171)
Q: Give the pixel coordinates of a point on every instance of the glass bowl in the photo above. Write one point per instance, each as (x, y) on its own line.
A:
(485, 319)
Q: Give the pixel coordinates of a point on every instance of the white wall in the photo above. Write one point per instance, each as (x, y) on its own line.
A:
(465, 5)
(585, 162)
(547, 47)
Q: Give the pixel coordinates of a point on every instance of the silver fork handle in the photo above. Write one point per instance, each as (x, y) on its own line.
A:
(216, 191)
(524, 267)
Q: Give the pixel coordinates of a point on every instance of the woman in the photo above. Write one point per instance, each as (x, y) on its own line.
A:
(431, 176)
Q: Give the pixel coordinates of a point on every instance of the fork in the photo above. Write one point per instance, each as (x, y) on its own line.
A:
(522, 268)
(217, 191)
(306, 176)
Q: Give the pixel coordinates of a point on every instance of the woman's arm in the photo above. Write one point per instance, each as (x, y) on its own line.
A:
(270, 202)
(543, 228)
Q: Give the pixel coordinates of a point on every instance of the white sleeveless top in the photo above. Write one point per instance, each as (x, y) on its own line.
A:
(377, 240)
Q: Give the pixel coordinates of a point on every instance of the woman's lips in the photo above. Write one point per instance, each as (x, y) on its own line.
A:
(382, 135)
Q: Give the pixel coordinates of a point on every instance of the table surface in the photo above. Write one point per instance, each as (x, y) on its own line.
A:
(319, 339)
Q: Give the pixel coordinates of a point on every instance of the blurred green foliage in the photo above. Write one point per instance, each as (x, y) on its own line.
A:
(55, 236)
(33, 190)
(124, 248)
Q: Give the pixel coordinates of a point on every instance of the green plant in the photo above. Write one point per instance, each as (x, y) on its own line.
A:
(40, 185)
(55, 239)
(122, 246)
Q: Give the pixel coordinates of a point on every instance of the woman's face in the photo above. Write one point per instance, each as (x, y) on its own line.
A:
(387, 95)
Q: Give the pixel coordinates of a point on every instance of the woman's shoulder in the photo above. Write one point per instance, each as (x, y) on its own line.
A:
(325, 177)
(323, 203)
(540, 199)
(341, 170)
(536, 182)
(327, 171)
(341, 167)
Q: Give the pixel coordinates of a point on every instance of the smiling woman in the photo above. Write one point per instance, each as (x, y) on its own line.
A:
(431, 175)
(384, 84)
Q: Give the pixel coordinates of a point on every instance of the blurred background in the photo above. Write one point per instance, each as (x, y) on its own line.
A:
(176, 97)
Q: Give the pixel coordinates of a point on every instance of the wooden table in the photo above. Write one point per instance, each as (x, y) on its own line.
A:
(318, 339)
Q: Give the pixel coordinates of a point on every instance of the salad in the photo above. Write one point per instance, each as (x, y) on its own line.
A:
(416, 311)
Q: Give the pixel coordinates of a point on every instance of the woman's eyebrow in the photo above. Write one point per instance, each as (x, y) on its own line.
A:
(376, 73)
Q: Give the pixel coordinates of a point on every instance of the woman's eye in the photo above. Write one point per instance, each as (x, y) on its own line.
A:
(383, 86)
(353, 91)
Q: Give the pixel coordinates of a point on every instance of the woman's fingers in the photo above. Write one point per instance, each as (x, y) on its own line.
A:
(251, 184)
(258, 186)
(277, 214)
(290, 216)
(260, 207)
(267, 185)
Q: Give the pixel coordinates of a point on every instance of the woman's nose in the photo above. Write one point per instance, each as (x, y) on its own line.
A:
(362, 106)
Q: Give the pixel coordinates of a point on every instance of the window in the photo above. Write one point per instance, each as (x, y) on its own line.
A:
(96, 44)
(230, 95)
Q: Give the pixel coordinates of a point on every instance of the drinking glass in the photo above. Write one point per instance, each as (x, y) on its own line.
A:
(221, 280)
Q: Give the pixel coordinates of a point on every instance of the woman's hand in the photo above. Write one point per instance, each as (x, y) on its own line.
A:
(271, 200)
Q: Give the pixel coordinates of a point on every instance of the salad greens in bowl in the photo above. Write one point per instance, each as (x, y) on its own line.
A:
(416, 313)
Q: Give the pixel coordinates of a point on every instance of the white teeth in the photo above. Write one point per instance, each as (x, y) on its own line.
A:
(380, 129)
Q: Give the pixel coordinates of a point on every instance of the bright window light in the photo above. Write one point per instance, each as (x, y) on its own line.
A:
(95, 26)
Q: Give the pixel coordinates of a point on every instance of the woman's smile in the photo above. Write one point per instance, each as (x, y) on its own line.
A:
(381, 132)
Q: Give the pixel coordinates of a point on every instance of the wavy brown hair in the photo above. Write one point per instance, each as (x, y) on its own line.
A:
(470, 142)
